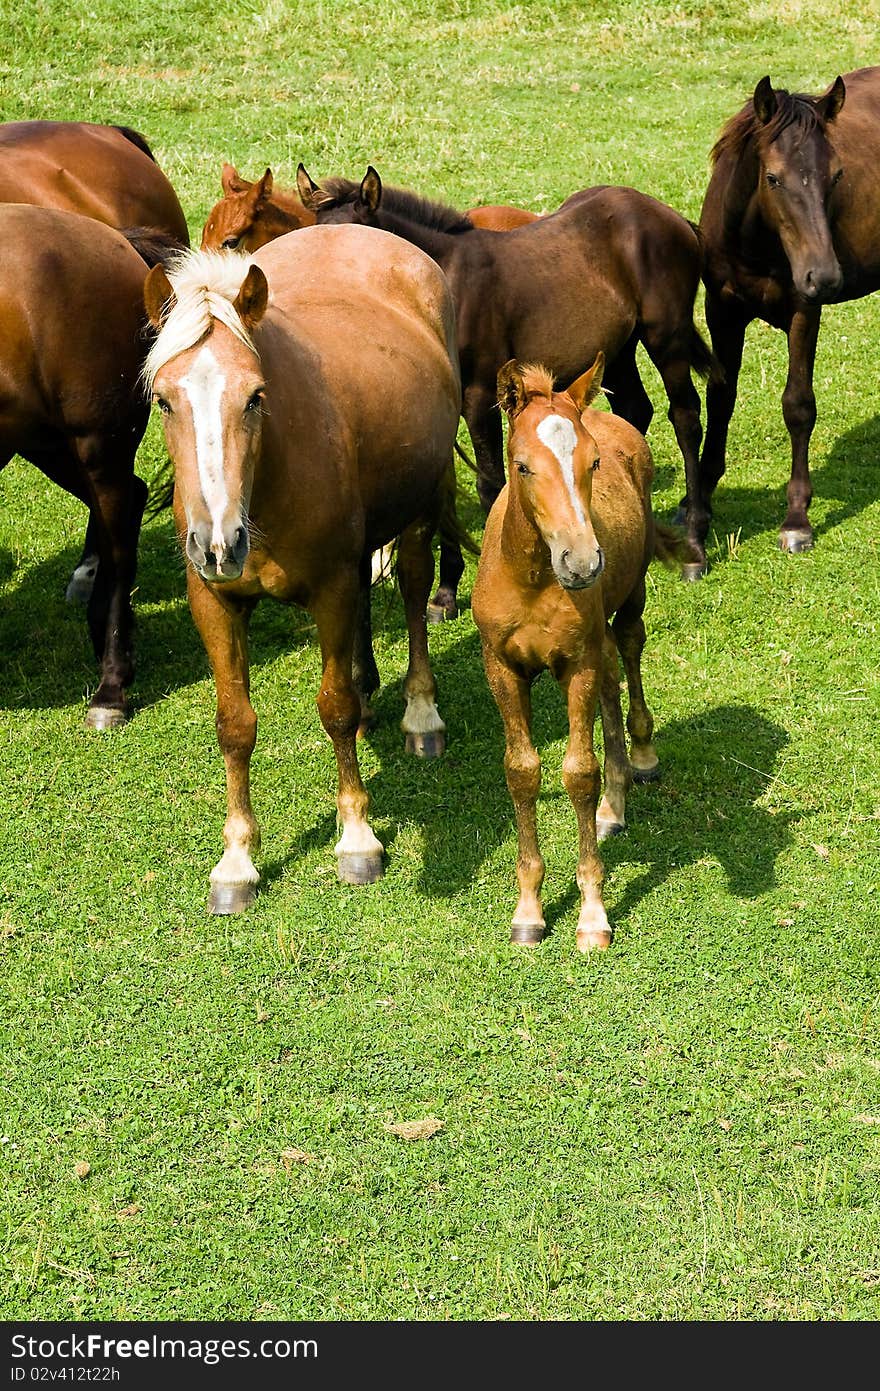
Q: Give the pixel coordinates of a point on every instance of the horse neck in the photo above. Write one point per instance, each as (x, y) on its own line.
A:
(284, 212)
(523, 548)
(440, 246)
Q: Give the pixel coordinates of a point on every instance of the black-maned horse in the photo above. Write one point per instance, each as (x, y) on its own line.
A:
(610, 269)
(790, 222)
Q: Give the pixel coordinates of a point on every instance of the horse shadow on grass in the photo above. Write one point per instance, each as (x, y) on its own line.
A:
(716, 765)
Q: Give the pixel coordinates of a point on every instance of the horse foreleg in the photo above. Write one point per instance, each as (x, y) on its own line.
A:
(799, 413)
(522, 769)
(358, 852)
(425, 731)
(364, 672)
(629, 632)
(684, 416)
(444, 604)
(480, 410)
(625, 390)
(223, 626)
(580, 774)
(611, 814)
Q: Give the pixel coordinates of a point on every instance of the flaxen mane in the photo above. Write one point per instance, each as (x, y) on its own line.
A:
(792, 108)
(205, 283)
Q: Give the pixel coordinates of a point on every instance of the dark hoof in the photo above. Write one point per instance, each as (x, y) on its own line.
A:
(104, 717)
(439, 613)
(360, 869)
(231, 898)
(426, 745)
(694, 570)
(527, 934)
(606, 829)
(795, 540)
(646, 774)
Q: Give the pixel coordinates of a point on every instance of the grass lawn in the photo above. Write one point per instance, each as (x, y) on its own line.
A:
(686, 1127)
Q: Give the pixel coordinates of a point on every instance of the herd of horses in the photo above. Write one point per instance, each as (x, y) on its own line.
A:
(311, 361)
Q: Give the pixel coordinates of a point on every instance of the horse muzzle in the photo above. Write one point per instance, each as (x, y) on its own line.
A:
(575, 571)
(218, 561)
(818, 285)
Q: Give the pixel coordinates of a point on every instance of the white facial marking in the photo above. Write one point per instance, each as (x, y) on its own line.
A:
(204, 385)
(560, 437)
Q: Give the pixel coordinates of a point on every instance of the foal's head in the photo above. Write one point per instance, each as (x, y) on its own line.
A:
(551, 456)
(205, 376)
(341, 200)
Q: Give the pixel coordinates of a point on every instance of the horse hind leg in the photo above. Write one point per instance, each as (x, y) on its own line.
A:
(629, 632)
(424, 729)
(444, 604)
(364, 672)
(611, 812)
(82, 581)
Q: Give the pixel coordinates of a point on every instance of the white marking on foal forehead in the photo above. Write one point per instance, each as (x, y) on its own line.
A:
(560, 437)
(204, 385)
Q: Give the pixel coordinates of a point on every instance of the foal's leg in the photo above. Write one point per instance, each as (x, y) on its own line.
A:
(223, 625)
(480, 410)
(580, 773)
(629, 633)
(358, 852)
(425, 731)
(364, 672)
(799, 412)
(671, 357)
(522, 768)
(611, 815)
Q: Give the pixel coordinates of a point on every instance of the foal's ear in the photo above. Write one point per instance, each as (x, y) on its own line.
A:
(159, 297)
(253, 297)
(264, 186)
(589, 384)
(511, 390)
(764, 100)
(371, 189)
(311, 195)
(231, 181)
(829, 104)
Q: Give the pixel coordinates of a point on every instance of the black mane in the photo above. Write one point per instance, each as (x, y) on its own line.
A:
(438, 217)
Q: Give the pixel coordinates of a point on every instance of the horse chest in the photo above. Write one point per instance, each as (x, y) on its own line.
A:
(553, 637)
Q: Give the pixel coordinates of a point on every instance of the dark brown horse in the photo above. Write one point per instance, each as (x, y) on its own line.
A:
(251, 214)
(561, 587)
(790, 222)
(105, 172)
(305, 433)
(610, 269)
(71, 349)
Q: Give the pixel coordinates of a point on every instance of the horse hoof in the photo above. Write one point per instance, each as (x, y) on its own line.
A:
(231, 898)
(796, 539)
(694, 570)
(606, 829)
(360, 869)
(646, 774)
(439, 613)
(79, 591)
(104, 717)
(426, 745)
(593, 941)
(527, 934)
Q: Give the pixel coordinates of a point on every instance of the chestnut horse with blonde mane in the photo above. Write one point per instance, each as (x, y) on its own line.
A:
(307, 428)
(790, 223)
(561, 587)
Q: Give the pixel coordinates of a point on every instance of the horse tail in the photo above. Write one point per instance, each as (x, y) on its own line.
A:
(153, 245)
(136, 139)
(161, 494)
(672, 547)
(702, 359)
(466, 458)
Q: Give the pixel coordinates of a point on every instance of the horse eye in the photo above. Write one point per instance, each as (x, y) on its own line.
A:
(595, 464)
(231, 243)
(837, 177)
(163, 405)
(255, 401)
(773, 180)
(523, 469)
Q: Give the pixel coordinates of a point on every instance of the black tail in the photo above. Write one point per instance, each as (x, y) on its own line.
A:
(153, 245)
(703, 360)
(161, 493)
(136, 139)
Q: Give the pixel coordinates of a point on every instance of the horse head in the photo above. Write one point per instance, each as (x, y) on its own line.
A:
(551, 458)
(204, 375)
(341, 200)
(798, 170)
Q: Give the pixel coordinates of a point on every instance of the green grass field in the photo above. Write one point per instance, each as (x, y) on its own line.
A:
(686, 1127)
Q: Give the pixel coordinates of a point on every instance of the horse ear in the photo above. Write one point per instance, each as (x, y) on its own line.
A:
(764, 100)
(159, 297)
(311, 195)
(511, 391)
(252, 299)
(371, 189)
(231, 181)
(830, 103)
(589, 384)
(264, 186)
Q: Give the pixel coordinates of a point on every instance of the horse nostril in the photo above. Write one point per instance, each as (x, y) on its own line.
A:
(564, 557)
(210, 559)
(239, 539)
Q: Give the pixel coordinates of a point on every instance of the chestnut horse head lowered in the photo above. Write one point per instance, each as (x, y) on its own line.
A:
(561, 587)
(310, 399)
(251, 214)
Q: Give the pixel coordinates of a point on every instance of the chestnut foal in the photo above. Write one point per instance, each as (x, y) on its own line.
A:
(567, 545)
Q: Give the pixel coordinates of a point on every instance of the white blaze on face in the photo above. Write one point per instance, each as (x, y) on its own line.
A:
(560, 437)
(204, 385)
